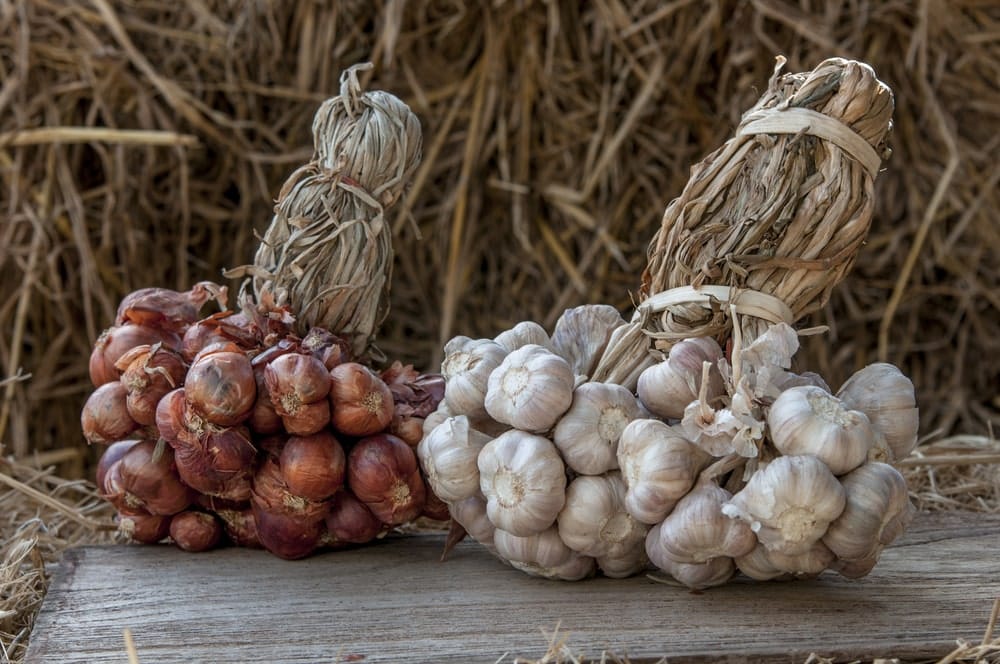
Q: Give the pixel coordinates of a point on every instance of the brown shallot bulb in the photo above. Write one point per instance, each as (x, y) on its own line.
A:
(263, 418)
(383, 473)
(221, 327)
(349, 521)
(240, 527)
(327, 347)
(271, 494)
(116, 341)
(220, 385)
(168, 309)
(297, 386)
(435, 508)
(361, 402)
(217, 461)
(313, 466)
(143, 527)
(195, 531)
(148, 373)
(112, 453)
(105, 417)
(286, 536)
(146, 478)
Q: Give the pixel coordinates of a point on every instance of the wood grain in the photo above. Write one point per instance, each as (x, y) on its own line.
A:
(394, 601)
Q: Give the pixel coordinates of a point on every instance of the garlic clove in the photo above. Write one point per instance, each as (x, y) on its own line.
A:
(466, 368)
(470, 513)
(543, 554)
(878, 510)
(696, 576)
(522, 334)
(789, 503)
(667, 387)
(659, 466)
(448, 456)
(697, 531)
(588, 433)
(581, 334)
(594, 521)
(523, 480)
(530, 389)
(883, 393)
(809, 420)
(623, 566)
(764, 564)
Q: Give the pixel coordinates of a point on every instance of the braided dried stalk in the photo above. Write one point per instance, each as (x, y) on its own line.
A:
(328, 250)
(772, 220)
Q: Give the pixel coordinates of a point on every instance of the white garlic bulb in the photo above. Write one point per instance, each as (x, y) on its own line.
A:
(530, 389)
(696, 576)
(697, 531)
(449, 457)
(886, 396)
(466, 368)
(594, 521)
(809, 420)
(581, 334)
(543, 554)
(624, 566)
(440, 414)
(789, 503)
(878, 510)
(470, 513)
(659, 466)
(522, 334)
(588, 433)
(667, 387)
(764, 564)
(524, 481)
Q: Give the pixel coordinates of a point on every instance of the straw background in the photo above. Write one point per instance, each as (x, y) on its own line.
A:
(142, 142)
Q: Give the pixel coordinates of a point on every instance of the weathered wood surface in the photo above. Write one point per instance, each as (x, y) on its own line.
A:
(395, 602)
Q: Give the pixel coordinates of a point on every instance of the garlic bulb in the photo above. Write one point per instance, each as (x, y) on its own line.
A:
(581, 334)
(878, 510)
(437, 417)
(543, 554)
(809, 420)
(530, 389)
(449, 457)
(466, 368)
(594, 521)
(659, 466)
(696, 576)
(623, 566)
(524, 482)
(886, 396)
(588, 433)
(522, 334)
(789, 503)
(763, 564)
(470, 513)
(697, 531)
(666, 388)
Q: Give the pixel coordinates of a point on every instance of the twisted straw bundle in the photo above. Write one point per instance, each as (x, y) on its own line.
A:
(328, 250)
(769, 223)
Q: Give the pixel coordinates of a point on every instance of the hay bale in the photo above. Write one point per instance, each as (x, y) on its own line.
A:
(142, 145)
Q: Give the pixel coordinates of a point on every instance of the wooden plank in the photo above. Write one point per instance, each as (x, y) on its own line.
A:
(394, 601)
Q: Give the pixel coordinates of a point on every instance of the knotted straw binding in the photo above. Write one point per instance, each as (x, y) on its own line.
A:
(328, 250)
(775, 216)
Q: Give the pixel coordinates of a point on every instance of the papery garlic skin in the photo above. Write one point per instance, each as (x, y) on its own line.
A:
(449, 457)
(543, 554)
(623, 566)
(666, 388)
(878, 510)
(524, 481)
(522, 334)
(763, 564)
(594, 521)
(530, 390)
(466, 368)
(696, 531)
(696, 576)
(470, 513)
(581, 334)
(588, 433)
(789, 503)
(809, 420)
(659, 466)
(886, 396)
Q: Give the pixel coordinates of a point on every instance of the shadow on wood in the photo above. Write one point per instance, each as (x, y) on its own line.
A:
(394, 601)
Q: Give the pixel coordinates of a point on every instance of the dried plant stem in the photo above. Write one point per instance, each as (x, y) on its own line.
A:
(43, 135)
